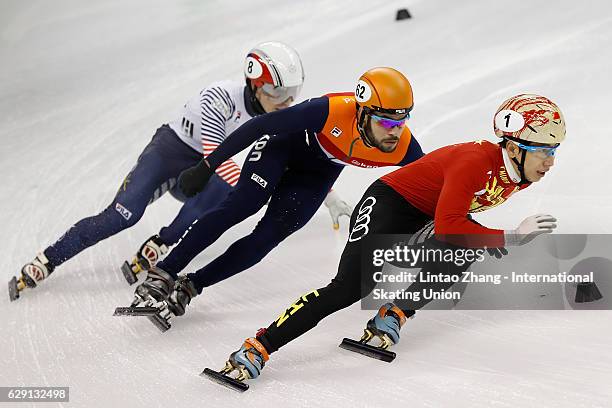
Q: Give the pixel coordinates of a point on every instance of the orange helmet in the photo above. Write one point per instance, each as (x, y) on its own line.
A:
(382, 90)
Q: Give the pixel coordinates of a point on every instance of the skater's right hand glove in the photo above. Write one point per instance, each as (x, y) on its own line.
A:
(337, 207)
(530, 228)
(194, 179)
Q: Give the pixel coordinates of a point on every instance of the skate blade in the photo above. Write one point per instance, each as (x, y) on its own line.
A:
(151, 313)
(128, 273)
(162, 324)
(135, 311)
(225, 380)
(367, 350)
(13, 289)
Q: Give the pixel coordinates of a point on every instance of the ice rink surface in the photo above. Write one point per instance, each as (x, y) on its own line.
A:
(83, 87)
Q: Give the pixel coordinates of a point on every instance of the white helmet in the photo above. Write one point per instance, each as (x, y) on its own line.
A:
(275, 67)
(530, 118)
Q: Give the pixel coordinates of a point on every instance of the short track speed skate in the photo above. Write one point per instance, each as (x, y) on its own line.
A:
(147, 257)
(222, 377)
(157, 312)
(378, 352)
(150, 299)
(385, 326)
(31, 274)
(248, 362)
(15, 286)
(131, 270)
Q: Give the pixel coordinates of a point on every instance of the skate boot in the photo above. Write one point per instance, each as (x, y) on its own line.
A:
(150, 299)
(31, 274)
(148, 255)
(157, 287)
(183, 292)
(386, 327)
(248, 361)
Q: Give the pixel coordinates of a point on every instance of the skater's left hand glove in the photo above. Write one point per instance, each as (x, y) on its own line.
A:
(194, 179)
(337, 208)
(497, 252)
(530, 228)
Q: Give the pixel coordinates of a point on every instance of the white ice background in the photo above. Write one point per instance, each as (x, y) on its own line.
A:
(84, 85)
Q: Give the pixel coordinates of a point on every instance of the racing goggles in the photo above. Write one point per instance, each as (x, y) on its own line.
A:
(389, 123)
(280, 94)
(542, 151)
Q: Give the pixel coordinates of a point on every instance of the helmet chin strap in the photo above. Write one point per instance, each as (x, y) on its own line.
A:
(362, 126)
(251, 103)
(521, 166)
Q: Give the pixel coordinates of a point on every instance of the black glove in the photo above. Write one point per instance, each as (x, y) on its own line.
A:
(194, 179)
(497, 252)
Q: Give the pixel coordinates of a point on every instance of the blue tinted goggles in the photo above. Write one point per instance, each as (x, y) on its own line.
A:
(544, 151)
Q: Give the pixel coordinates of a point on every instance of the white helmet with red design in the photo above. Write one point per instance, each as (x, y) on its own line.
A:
(530, 118)
(276, 68)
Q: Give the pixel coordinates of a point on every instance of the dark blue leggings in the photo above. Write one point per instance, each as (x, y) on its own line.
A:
(287, 173)
(155, 173)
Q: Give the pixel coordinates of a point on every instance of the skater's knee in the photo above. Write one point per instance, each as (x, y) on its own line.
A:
(121, 216)
(344, 294)
(264, 238)
(248, 200)
(269, 232)
(234, 211)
